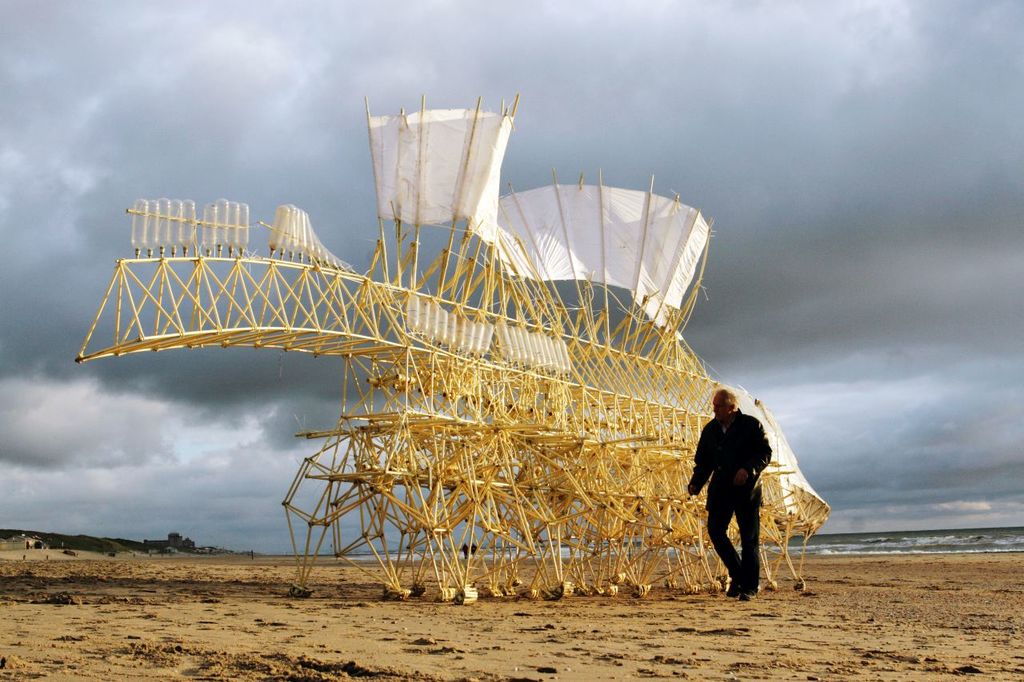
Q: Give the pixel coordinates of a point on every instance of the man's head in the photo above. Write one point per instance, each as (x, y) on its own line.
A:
(724, 403)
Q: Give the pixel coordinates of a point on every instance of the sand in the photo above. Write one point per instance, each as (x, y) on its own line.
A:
(893, 618)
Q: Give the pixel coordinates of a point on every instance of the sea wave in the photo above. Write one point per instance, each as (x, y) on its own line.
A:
(971, 540)
(934, 550)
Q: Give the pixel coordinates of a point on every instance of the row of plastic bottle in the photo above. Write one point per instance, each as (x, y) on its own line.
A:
(169, 226)
(292, 234)
(518, 345)
(225, 225)
(426, 317)
(533, 349)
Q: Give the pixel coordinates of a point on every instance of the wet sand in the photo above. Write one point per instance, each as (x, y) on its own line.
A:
(892, 618)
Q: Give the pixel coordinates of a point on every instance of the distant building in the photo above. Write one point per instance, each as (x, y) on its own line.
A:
(23, 542)
(173, 541)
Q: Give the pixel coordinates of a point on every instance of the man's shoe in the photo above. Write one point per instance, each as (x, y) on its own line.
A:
(747, 595)
(733, 591)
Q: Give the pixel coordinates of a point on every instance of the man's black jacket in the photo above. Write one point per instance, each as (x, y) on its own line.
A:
(720, 455)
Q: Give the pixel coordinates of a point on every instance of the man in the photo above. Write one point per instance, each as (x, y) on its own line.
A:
(733, 451)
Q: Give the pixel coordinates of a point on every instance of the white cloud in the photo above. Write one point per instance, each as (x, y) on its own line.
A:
(1007, 512)
(964, 506)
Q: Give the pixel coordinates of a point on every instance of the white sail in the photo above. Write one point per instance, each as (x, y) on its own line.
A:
(796, 495)
(438, 166)
(640, 241)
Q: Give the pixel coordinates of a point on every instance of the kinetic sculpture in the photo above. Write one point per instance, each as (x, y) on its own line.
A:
(520, 409)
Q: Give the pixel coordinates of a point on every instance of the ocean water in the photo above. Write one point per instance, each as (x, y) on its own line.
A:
(959, 541)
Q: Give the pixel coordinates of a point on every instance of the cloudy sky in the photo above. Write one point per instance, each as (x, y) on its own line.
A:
(862, 161)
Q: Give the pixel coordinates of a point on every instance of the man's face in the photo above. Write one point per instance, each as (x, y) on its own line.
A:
(723, 409)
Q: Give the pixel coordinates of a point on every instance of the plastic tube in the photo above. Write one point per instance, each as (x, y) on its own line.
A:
(139, 225)
(542, 351)
(411, 314)
(152, 211)
(308, 238)
(525, 356)
(232, 234)
(175, 216)
(208, 236)
(161, 225)
(533, 349)
(476, 334)
(521, 345)
(229, 217)
(431, 321)
(463, 334)
(439, 323)
(485, 341)
(427, 319)
(243, 240)
(233, 221)
(563, 353)
(547, 354)
(275, 240)
(291, 231)
(316, 250)
(445, 327)
(504, 340)
(515, 347)
(544, 358)
(453, 330)
(422, 309)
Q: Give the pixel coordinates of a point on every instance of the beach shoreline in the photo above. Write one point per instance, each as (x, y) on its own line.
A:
(229, 617)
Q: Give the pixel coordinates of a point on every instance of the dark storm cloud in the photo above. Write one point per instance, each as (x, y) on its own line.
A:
(861, 161)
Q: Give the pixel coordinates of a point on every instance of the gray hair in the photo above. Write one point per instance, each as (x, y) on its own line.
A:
(727, 394)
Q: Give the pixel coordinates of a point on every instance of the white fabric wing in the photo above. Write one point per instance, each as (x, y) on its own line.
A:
(636, 240)
(439, 166)
(791, 478)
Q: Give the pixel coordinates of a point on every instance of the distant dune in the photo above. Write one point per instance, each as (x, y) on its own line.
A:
(82, 543)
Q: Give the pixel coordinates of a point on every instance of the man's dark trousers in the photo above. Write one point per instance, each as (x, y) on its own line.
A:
(746, 505)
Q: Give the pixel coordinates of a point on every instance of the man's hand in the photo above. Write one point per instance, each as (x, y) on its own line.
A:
(741, 477)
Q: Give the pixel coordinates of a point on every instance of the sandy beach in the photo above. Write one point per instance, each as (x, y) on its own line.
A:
(892, 618)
